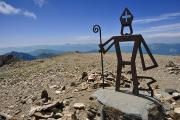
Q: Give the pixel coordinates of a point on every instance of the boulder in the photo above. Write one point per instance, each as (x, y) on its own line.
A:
(128, 105)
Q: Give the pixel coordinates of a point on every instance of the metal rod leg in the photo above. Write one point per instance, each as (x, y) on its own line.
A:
(118, 77)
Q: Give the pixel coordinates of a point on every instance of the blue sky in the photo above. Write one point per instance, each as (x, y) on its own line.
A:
(53, 22)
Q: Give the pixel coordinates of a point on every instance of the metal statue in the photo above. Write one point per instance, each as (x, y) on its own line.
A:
(126, 21)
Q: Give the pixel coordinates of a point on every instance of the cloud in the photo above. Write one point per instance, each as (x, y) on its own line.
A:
(40, 3)
(157, 18)
(168, 27)
(8, 9)
(29, 14)
(165, 35)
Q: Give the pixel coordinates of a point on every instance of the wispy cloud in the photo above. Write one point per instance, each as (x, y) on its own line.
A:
(165, 35)
(8, 9)
(158, 18)
(168, 27)
(29, 14)
(40, 3)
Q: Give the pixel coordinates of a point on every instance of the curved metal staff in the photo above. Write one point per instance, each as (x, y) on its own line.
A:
(97, 29)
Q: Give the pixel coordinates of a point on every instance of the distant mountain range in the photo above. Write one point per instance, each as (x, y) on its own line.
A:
(43, 52)
(21, 56)
(35, 52)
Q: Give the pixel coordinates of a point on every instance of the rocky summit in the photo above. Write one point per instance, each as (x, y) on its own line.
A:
(61, 88)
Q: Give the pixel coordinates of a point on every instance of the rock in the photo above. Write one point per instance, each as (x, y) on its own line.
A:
(169, 118)
(29, 101)
(91, 98)
(177, 103)
(91, 113)
(54, 86)
(44, 95)
(69, 116)
(66, 102)
(51, 119)
(84, 76)
(91, 78)
(170, 64)
(63, 88)
(75, 90)
(109, 77)
(57, 92)
(167, 106)
(40, 115)
(52, 105)
(79, 106)
(170, 91)
(4, 116)
(100, 84)
(33, 98)
(33, 110)
(47, 107)
(17, 111)
(23, 101)
(172, 114)
(176, 95)
(58, 115)
(73, 84)
(132, 107)
(84, 86)
(177, 113)
(158, 96)
(127, 86)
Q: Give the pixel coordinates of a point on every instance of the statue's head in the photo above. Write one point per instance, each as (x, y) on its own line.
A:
(126, 21)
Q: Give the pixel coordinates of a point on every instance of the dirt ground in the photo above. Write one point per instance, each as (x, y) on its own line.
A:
(24, 81)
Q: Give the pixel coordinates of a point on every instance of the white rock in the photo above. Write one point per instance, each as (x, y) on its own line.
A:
(33, 110)
(177, 113)
(175, 94)
(75, 90)
(91, 77)
(177, 110)
(53, 86)
(57, 92)
(79, 106)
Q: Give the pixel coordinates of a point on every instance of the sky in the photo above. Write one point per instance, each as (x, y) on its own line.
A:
(56, 22)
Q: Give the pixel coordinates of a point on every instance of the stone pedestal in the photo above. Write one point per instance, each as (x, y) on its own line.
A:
(125, 106)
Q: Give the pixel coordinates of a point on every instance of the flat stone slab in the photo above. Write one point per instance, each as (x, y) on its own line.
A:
(127, 103)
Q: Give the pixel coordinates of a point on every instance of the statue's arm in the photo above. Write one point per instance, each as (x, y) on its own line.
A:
(102, 46)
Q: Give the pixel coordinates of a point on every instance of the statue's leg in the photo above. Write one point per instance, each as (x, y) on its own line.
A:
(137, 43)
(118, 77)
(119, 65)
(135, 80)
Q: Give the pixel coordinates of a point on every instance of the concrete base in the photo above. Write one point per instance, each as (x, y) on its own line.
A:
(132, 107)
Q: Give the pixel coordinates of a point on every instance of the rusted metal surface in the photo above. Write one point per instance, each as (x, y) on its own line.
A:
(126, 21)
(97, 29)
(139, 42)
